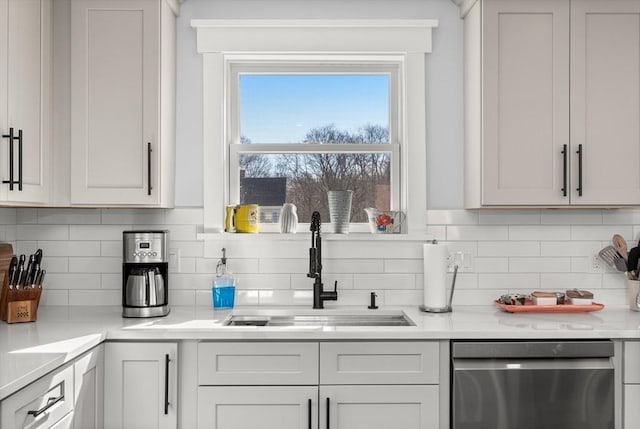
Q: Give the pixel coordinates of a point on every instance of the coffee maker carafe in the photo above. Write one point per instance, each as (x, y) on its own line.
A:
(145, 269)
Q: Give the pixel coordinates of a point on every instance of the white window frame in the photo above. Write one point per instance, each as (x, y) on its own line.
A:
(220, 39)
(236, 65)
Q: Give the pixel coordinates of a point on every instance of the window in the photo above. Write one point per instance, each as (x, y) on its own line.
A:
(302, 127)
(251, 52)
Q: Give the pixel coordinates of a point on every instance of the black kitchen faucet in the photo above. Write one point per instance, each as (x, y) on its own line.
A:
(315, 266)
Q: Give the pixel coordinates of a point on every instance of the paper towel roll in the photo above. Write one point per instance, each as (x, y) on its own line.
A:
(435, 275)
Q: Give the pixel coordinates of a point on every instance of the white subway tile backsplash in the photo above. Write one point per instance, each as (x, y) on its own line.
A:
(55, 264)
(509, 217)
(97, 232)
(133, 217)
(571, 217)
(43, 232)
(8, 216)
(564, 281)
(539, 265)
(403, 266)
(68, 216)
(95, 297)
(111, 281)
(54, 297)
(95, 265)
(71, 281)
(111, 248)
(491, 265)
(530, 281)
(509, 248)
(478, 233)
(570, 248)
(383, 281)
(512, 250)
(336, 266)
(599, 232)
(293, 266)
(539, 233)
(70, 248)
(263, 281)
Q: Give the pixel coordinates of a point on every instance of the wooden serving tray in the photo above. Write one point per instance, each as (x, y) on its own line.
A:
(529, 307)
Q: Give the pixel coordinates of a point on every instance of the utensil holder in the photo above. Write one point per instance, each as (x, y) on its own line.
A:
(633, 289)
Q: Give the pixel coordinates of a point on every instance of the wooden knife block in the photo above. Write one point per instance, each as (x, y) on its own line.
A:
(16, 305)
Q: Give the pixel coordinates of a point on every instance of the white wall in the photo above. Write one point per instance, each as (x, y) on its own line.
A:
(444, 83)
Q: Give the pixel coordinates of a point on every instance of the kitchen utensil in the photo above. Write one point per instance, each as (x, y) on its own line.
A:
(620, 245)
(613, 258)
(632, 262)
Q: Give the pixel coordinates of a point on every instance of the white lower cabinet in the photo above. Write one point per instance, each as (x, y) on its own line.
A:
(348, 385)
(264, 407)
(88, 373)
(141, 385)
(631, 384)
(379, 407)
(67, 398)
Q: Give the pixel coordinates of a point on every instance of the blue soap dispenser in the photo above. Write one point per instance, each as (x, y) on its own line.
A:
(224, 285)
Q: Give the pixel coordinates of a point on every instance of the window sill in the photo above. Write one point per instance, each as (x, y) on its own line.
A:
(304, 236)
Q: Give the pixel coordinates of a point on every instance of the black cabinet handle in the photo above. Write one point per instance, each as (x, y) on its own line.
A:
(11, 138)
(309, 408)
(19, 160)
(328, 407)
(579, 152)
(50, 403)
(166, 383)
(564, 170)
(149, 150)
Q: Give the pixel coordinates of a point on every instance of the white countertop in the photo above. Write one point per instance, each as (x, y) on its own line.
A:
(30, 350)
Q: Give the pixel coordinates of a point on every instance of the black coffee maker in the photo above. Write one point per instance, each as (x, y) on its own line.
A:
(145, 269)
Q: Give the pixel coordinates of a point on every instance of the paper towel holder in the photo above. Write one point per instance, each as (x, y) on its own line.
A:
(447, 308)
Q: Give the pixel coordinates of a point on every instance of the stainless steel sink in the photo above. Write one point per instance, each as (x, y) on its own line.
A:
(396, 319)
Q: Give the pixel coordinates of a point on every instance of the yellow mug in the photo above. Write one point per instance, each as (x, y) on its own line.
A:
(247, 218)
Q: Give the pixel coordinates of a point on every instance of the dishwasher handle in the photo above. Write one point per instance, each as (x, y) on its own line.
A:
(531, 349)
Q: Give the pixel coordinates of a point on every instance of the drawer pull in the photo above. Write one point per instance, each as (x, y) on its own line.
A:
(328, 407)
(50, 403)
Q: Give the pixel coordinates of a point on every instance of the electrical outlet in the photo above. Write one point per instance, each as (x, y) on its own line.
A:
(597, 264)
(462, 259)
(174, 260)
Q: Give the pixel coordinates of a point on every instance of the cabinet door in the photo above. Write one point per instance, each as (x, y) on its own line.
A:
(89, 387)
(605, 101)
(115, 59)
(25, 85)
(284, 407)
(379, 407)
(140, 385)
(525, 107)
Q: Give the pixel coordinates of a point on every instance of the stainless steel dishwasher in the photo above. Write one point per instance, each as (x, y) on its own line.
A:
(532, 385)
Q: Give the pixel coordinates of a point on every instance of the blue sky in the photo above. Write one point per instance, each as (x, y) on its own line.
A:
(282, 108)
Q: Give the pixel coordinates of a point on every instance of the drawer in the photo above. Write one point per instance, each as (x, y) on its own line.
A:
(631, 362)
(257, 363)
(381, 362)
(41, 404)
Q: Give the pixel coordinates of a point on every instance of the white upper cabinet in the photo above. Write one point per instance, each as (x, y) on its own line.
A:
(25, 101)
(552, 97)
(122, 102)
(605, 101)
